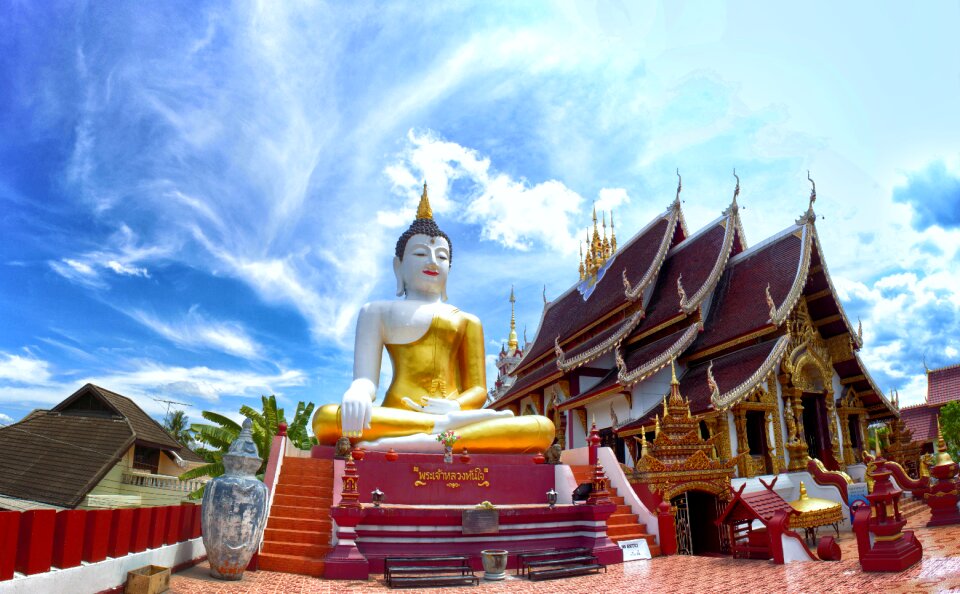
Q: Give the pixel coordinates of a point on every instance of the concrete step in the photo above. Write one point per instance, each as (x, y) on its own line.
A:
(618, 519)
(324, 525)
(304, 513)
(296, 549)
(291, 564)
(321, 489)
(311, 537)
(301, 501)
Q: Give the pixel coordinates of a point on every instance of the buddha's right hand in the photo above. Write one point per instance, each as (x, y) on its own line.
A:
(356, 410)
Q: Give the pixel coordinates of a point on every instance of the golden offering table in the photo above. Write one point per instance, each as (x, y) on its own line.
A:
(815, 512)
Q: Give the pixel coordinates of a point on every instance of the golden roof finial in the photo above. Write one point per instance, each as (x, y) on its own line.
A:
(583, 273)
(512, 342)
(613, 235)
(423, 209)
(673, 374)
(656, 426)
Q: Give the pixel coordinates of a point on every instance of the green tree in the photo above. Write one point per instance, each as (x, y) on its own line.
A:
(178, 426)
(950, 427)
(215, 438)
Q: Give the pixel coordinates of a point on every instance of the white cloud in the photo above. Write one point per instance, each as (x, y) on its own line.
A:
(509, 211)
(5, 419)
(145, 380)
(611, 198)
(23, 369)
(195, 330)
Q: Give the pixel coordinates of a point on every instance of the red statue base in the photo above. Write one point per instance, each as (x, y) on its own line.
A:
(893, 549)
(943, 496)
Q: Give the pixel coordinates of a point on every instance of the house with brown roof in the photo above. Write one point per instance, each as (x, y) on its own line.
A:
(96, 449)
(765, 354)
(943, 387)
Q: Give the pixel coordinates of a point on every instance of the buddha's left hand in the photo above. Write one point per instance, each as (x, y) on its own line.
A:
(433, 406)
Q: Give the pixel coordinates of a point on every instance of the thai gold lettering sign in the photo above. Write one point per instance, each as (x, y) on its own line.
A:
(451, 478)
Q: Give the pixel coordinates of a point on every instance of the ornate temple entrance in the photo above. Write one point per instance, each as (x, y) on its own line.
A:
(697, 531)
(816, 429)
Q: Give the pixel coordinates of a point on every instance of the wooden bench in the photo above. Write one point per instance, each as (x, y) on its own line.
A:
(567, 571)
(406, 572)
(546, 565)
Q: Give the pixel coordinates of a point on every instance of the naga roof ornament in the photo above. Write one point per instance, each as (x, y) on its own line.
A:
(723, 401)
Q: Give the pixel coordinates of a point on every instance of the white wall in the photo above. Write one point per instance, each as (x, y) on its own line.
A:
(104, 575)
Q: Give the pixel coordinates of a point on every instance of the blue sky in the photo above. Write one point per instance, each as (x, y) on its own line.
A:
(196, 199)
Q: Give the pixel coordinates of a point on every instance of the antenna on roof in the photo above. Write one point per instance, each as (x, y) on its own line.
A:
(166, 416)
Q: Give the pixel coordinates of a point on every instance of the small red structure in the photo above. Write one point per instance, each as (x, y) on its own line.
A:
(892, 548)
(769, 509)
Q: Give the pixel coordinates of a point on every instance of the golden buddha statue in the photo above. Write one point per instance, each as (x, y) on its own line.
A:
(439, 370)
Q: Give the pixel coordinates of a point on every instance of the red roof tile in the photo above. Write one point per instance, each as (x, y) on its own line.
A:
(943, 385)
(921, 420)
(694, 259)
(571, 313)
(739, 304)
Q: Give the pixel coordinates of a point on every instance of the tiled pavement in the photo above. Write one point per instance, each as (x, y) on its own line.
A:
(939, 571)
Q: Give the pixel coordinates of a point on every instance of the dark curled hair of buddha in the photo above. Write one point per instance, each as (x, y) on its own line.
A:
(422, 227)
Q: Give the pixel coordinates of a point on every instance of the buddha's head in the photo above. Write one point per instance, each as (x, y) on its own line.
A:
(423, 255)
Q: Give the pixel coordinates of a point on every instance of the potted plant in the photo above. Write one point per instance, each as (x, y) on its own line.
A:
(448, 438)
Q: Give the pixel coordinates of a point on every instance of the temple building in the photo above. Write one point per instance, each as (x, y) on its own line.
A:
(943, 387)
(765, 355)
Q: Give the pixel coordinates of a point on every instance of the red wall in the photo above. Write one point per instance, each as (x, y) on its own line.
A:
(34, 541)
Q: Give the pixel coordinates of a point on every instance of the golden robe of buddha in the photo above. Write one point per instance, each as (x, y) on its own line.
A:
(439, 369)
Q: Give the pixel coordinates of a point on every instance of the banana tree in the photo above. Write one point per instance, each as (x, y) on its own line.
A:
(216, 438)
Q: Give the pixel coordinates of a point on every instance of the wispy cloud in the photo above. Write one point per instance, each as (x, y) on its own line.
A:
(23, 369)
(509, 211)
(6, 419)
(195, 330)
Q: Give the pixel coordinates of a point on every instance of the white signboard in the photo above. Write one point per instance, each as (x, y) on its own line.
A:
(634, 549)
(857, 492)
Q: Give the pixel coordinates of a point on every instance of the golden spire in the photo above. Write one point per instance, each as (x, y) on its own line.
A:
(943, 456)
(423, 209)
(606, 242)
(512, 342)
(583, 272)
(613, 235)
(675, 398)
(656, 426)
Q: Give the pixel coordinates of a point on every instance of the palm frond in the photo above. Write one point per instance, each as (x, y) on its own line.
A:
(221, 420)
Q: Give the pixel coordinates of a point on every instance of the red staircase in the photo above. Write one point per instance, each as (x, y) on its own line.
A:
(298, 530)
(622, 525)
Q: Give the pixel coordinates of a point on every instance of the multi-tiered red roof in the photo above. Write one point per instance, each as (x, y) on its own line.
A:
(703, 299)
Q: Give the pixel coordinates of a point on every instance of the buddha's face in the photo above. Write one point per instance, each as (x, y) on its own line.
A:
(425, 266)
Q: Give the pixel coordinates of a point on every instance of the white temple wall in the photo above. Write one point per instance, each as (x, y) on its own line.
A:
(650, 392)
(527, 401)
(837, 392)
(732, 431)
(579, 438)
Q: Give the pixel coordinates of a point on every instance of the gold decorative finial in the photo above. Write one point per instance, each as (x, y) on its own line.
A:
(512, 341)
(673, 374)
(613, 235)
(423, 209)
(803, 491)
(813, 190)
